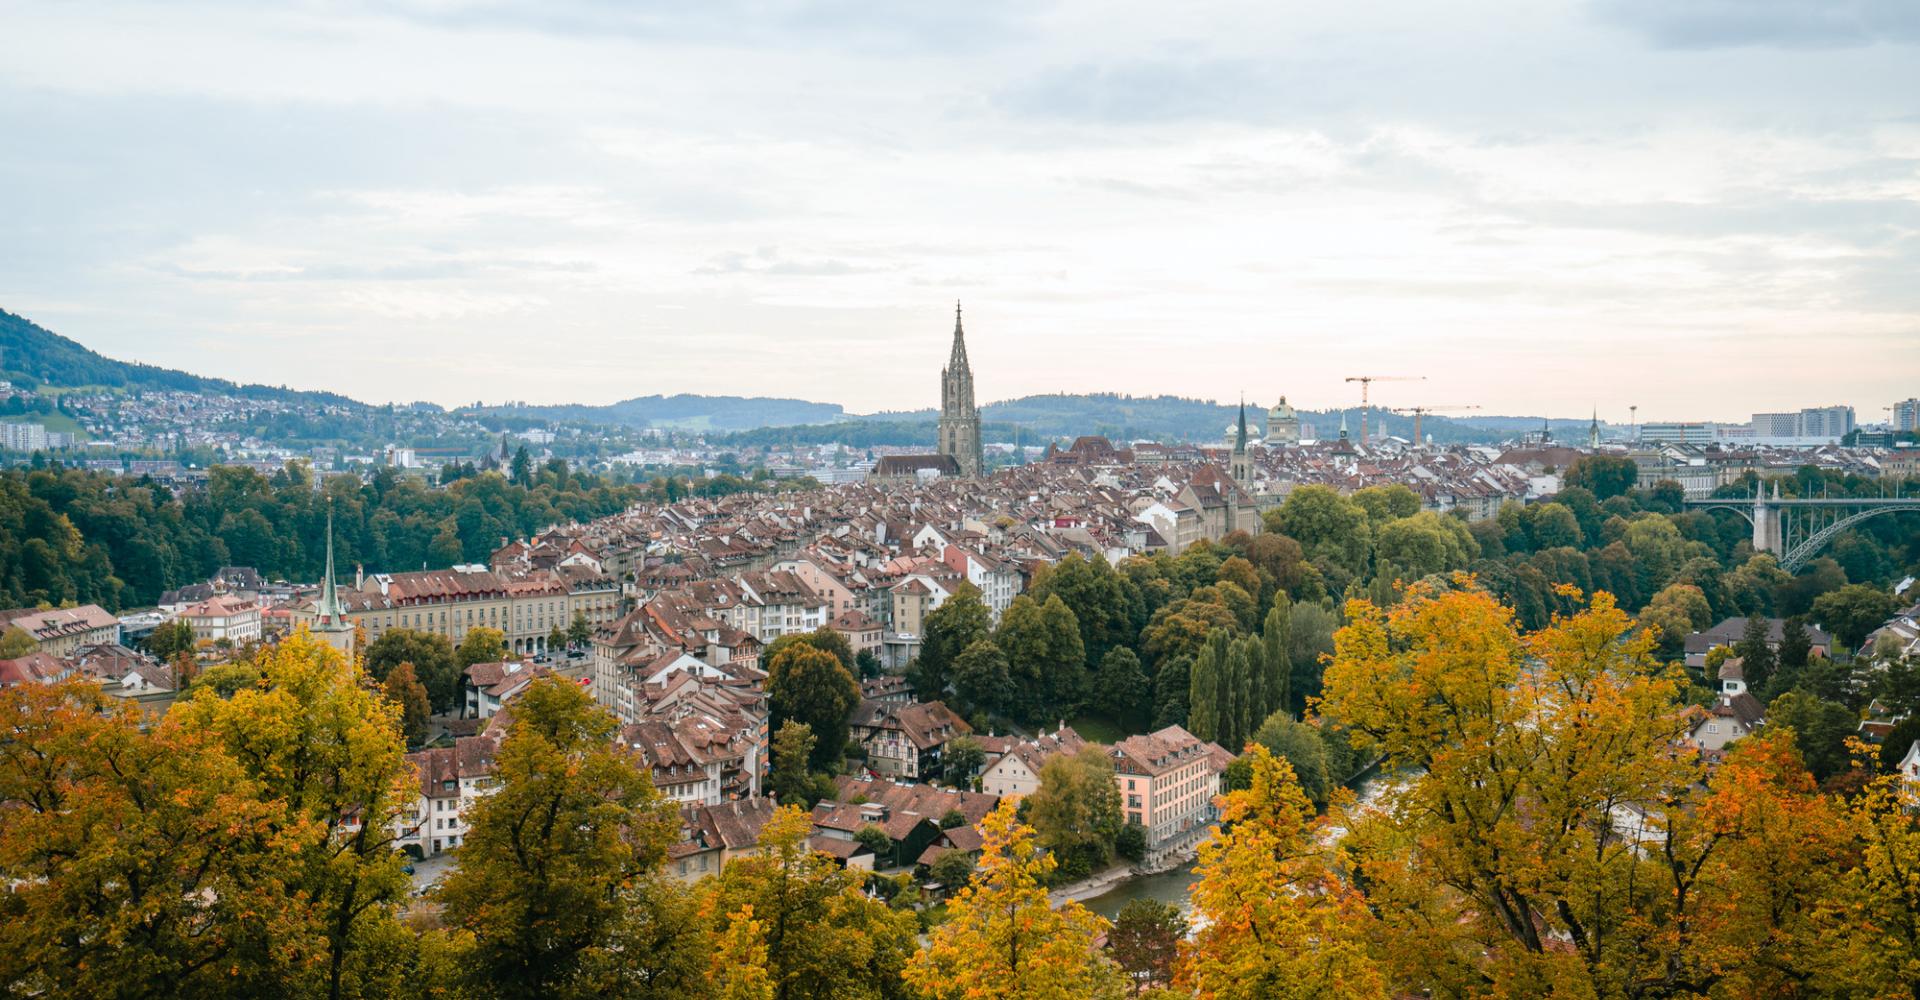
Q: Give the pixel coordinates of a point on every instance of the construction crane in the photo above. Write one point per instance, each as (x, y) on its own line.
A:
(1366, 381)
(1420, 411)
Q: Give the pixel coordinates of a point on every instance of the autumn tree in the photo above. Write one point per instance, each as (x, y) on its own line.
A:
(554, 856)
(317, 737)
(16, 642)
(1520, 749)
(404, 690)
(807, 684)
(1001, 939)
(824, 639)
(1275, 921)
(826, 939)
(738, 970)
(141, 863)
(791, 782)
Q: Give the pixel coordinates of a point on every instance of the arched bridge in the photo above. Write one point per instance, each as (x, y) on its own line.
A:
(1793, 530)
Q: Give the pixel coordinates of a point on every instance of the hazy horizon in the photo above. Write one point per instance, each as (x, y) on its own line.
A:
(1707, 209)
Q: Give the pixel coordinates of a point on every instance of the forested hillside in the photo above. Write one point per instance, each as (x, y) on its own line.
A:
(33, 355)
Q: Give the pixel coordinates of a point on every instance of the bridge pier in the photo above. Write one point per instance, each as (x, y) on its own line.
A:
(1767, 536)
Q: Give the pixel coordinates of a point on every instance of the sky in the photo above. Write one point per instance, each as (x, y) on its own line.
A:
(1703, 208)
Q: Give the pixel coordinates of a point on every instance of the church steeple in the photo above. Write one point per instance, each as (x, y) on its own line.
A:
(957, 361)
(959, 431)
(1593, 431)
(1240, 468)
(330, 619)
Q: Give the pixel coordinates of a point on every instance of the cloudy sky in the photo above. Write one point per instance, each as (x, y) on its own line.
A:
(1703, 207)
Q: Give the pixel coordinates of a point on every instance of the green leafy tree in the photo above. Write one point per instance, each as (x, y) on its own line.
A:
(1121, 690)
(951, 868)
(1145, 942)
(1076, 810)
(982, 678)
(579, 630)
(1820, 729)
(556, 638)
(433, 662)
(960, 761)
(554, 857)
(1302, 747)
(1853, 611)
(1276, 657)
(481, 645)
(1203, 690)
(790, 781)
(824, 639)
(1796, 645)
(960, 621)
(1329, 527)
(809, 685)
(1604, 476)
(1101, 599)
(1756, 653)
(165, 642)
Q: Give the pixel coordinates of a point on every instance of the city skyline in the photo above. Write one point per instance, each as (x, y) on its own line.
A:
(1543, 209)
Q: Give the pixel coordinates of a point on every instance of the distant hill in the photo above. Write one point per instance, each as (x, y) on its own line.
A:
(684, 412)
(33, 355)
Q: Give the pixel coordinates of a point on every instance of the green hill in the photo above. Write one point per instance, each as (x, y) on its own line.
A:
(32, 355)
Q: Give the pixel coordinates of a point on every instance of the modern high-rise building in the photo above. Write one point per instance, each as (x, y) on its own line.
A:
(1824, 423)
(1906, 415)
(959, 418)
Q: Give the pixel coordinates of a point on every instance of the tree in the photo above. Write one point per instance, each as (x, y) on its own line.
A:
(1756, 653)
(1795, 644)
(825, 938)
(1076, 810)
(982, 680)
(960, 761)
(806, 684)
(1276, 656)
(556, 638)
(554, 855)
(1328, 526)
(317, 737)
(1276, 921)
(1820, 729)
(1310, 629)
(951, 868)
(522, 470)
(1853, 611)
(405, 690)
(1427, 543)
(579, 630)
(139, 863)
(1677, 610)
(1879, 894)
(1101, 601)
(1302, 747)
(1203, 690)
(1001, 939)
(876, 840)
(481, 645)
(432, 658)
(165, 642)
(1604, 475)
(739, 967)
(790, 782)
(1519, 745)
(1121, 690)
(16, 642)
(960, 621)
(824, 639)
(1145, 941)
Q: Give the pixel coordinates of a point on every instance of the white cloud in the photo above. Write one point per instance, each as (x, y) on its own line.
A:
(1537, 209)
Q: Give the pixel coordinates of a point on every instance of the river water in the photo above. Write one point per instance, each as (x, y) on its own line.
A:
(1171, 886)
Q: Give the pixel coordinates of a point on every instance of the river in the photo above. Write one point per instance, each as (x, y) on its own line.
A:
(1171, 886)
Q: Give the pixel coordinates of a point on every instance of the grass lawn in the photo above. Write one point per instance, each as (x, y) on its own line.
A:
(1098, 728)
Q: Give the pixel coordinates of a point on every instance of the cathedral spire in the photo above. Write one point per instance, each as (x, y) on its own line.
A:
(1240, 434)
(958, 361)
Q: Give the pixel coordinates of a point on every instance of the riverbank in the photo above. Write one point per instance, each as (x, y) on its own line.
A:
(1103, 882)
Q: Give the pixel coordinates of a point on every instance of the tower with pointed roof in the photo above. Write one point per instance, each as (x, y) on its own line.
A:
(1593, 431)
(1241, 468)
(330, 622)
(959, 418)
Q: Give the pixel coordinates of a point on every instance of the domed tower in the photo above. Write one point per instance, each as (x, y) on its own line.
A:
(1283, 425)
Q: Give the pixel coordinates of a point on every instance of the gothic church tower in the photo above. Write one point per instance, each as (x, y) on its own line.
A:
(959, 418)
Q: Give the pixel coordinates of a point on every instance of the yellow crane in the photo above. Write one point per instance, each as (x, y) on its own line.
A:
(1366, 382)
(1421, 411)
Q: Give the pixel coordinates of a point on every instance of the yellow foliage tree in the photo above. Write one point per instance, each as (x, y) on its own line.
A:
(1274, 920)
(1002, 941)
(739, 967)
